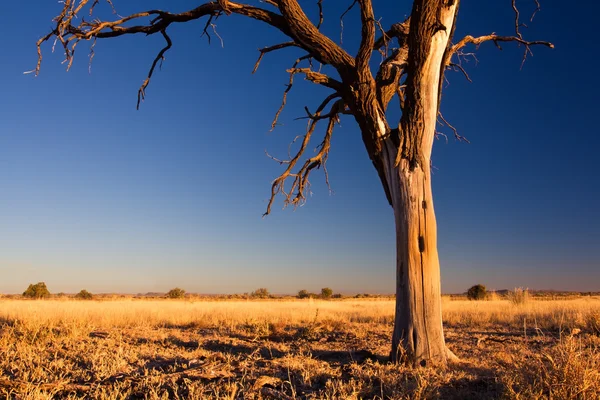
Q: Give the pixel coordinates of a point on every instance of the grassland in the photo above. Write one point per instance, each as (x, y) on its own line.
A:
(307, 349)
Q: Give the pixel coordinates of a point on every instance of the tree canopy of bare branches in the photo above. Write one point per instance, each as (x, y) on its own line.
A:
(415, 51)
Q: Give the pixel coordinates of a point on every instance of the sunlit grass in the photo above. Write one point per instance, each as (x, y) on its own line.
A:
(312, 349)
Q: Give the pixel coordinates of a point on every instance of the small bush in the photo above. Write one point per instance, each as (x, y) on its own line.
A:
(37, 291)
(476, 292)
(519, 296)
(337, 296)
(303, 294)
(84, 295)
(176, 293)
(261, 293)
(326, 293)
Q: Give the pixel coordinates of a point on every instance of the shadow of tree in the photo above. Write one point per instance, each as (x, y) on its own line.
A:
(338, 357)
(473, 383)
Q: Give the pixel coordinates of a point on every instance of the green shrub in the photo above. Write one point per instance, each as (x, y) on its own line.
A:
(84, 295)
(37, 291)
(476, 292)
(303, 294)
(176, 293)
(326, 293)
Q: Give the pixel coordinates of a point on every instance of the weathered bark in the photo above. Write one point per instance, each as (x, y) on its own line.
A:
(418, 333)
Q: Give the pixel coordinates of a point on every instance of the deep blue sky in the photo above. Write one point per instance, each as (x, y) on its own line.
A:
(97, 195)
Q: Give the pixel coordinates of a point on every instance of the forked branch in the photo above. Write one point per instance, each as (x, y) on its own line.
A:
(300, 188)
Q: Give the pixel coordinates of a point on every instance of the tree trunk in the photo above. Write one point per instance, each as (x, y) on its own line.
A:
(418, 335)
(402, 157)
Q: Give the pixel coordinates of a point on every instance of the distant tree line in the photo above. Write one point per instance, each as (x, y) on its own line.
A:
(476, 292)
(40, 291)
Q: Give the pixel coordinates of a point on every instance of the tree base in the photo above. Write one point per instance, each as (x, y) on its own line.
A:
(403, 359)
(450, 356)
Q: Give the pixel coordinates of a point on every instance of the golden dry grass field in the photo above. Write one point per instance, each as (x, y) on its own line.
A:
(288, 349)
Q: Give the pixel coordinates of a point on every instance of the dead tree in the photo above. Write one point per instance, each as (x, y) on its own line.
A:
(416, 52)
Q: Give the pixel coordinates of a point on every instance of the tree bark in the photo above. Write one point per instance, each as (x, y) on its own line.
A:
(418, 336)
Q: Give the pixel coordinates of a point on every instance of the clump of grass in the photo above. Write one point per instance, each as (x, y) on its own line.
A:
(492, 295)
(593, 322)
(519, 296)
(568, 370)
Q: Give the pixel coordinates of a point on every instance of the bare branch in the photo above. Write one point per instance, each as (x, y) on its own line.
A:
(457, 136)
(159, 57)
(70, 35)
(304, 32)
(320, 78)
(310, 75)
(205, 29)
(461, 69)
(538, 8)
(92, 54)
(496, 39)
(321, 17)
(517, 23)
(398, 31)
(288, 87)
(300, 187)
(367, 39)
(350, 7)
(269, 49)
(324, 103)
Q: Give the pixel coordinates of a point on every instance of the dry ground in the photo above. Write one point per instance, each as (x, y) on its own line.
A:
(306, 349)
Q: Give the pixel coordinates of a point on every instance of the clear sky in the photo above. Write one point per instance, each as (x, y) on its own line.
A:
(97, 195)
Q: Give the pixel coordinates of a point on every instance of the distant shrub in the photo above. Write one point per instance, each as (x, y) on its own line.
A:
(84, 295)
(519, 296)
(337, 296)
(176, 293)
(476, 292)
(326, 293)
(261, 293)
(303, 294)
(37, 291)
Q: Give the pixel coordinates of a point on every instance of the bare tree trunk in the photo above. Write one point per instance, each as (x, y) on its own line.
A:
(418, 335)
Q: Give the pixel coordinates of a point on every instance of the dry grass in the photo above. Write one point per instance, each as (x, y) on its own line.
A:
(307, 349)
